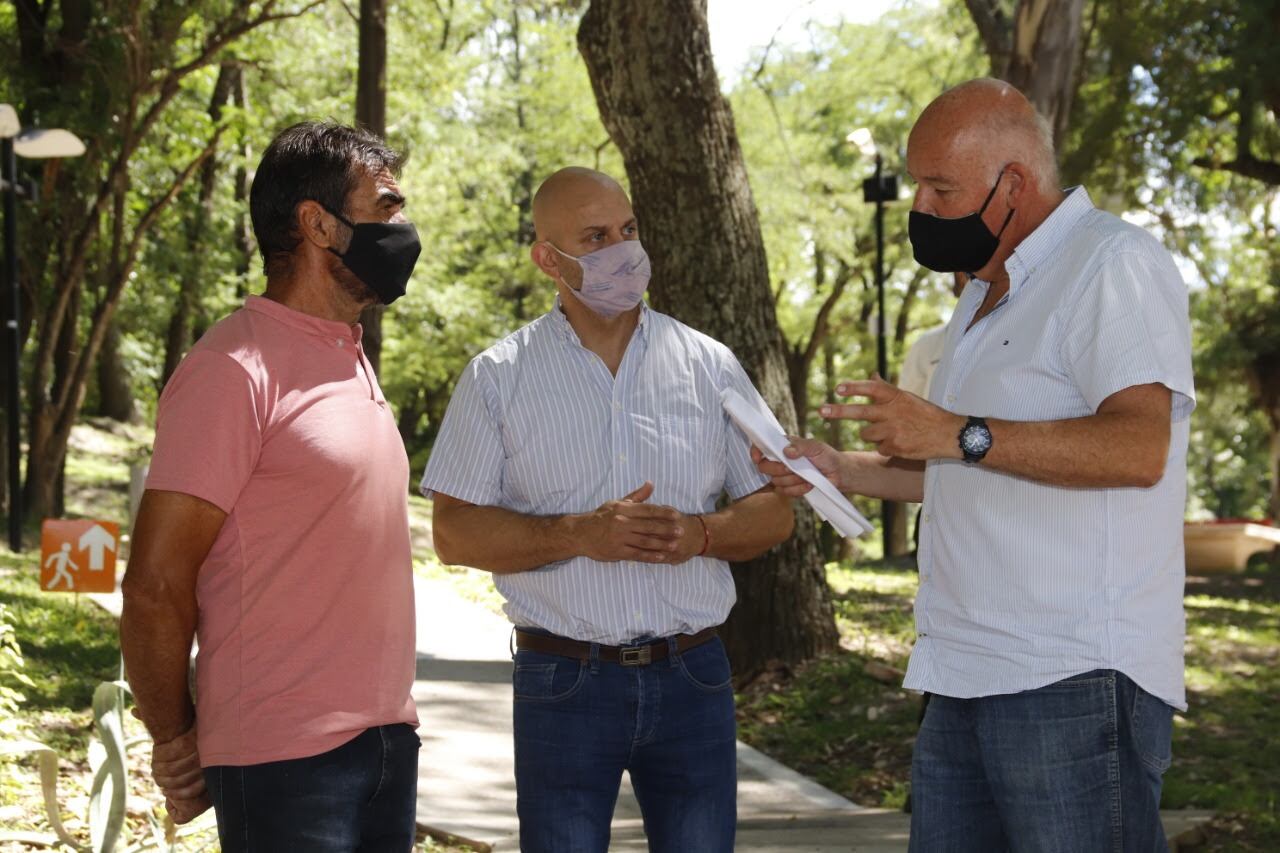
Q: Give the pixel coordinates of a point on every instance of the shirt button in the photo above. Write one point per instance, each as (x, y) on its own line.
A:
(622, 457)
(951, 398)
(617, 407)
(925, 517)
(338, 341)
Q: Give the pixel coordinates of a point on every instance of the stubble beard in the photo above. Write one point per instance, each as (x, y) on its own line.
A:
(350, 284)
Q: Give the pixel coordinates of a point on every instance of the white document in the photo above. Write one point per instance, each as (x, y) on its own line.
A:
(766, 433)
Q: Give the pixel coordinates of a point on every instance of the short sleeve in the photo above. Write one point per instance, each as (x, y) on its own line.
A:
(1130, 327)
(208, 430)
(741, 477)
(467, 457)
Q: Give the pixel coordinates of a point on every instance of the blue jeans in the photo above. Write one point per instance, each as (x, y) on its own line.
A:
(1075, 767)
(579, 724)
(361, 796)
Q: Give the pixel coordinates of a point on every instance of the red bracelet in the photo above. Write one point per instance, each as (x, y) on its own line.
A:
(706, 536)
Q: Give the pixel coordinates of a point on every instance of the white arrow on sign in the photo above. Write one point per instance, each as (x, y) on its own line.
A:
(94, 540)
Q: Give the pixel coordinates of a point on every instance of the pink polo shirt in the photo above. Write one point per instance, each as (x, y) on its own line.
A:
(306, 623)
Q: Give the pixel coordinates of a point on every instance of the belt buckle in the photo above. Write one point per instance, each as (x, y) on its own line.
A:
(635, 655)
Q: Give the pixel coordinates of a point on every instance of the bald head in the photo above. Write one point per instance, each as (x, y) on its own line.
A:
(572, 199)
(578, 211)
(990, 124)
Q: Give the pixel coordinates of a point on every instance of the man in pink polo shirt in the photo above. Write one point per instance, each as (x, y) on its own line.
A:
(274, 526)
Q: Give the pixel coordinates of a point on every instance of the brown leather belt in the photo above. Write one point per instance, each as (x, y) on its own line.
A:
(640, 655)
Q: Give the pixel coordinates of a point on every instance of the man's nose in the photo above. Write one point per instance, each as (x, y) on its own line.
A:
(920, 204)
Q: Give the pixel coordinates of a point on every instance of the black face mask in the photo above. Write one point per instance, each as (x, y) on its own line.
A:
(381, 254)
(963, 244)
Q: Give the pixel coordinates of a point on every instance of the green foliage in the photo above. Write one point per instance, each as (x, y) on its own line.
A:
(13, 677)
(1172, 91)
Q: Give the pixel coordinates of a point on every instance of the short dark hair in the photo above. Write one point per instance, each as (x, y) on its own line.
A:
(317, 160)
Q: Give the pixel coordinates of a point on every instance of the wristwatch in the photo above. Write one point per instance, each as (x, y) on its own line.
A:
(975, 439)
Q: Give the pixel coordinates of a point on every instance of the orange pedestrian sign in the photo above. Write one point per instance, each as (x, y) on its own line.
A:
(78, 556)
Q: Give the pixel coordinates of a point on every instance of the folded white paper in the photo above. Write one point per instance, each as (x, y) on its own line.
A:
(759, 424)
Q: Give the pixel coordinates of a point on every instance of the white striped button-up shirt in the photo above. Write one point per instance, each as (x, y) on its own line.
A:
(1022, 583)
(538, 425)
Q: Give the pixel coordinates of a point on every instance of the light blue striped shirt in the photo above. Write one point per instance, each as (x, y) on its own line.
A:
(1021, 583)
(538, 425)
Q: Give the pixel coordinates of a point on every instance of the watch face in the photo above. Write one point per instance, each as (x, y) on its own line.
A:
(975, 439)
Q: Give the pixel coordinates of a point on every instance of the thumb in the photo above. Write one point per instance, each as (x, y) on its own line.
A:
(803, 447)
(641, 494)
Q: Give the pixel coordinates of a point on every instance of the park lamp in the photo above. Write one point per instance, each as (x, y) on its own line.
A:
(34, 144)
(878, 189)
(863, 141)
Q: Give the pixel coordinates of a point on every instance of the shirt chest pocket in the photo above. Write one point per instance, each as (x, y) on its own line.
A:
(692, 458)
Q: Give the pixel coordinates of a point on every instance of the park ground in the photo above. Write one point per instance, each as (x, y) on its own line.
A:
(829, 719)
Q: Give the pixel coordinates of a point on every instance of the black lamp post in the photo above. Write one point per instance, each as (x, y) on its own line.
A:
(879, 188)
(33, 144)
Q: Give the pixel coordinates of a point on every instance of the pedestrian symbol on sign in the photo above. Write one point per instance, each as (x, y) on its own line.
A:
(78, 556)
(60, 561)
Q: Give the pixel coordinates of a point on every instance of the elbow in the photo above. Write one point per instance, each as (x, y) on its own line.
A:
(444, 542)
(1149, 475)
(443, 547)
(1152, 467)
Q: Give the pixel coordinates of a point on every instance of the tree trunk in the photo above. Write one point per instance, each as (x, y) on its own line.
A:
(371, 114)
(115, 392)
(1037, 51)
(246, 245)
(655, 85)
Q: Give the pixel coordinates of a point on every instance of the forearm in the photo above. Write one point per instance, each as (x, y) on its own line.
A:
(1115, 450)
(747, 528)
(890, 478)
(155, 639)
(502, 541)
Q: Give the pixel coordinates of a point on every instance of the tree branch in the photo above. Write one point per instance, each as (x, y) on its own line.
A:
(996, 30)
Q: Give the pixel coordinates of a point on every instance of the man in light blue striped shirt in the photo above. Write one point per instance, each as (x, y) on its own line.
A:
(581, 460)
(1051, 456)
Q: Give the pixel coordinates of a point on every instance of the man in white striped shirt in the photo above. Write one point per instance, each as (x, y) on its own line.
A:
(1051, 456)
(580, 461)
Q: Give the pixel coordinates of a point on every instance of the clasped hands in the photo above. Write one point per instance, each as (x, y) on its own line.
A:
(631, 529)
(899, 424)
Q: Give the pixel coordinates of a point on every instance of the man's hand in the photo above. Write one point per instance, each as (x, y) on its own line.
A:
(824, 457)
(175, 766)
(630, 529)
(900, 424)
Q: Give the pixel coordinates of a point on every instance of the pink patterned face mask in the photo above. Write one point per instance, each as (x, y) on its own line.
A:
(613, 278)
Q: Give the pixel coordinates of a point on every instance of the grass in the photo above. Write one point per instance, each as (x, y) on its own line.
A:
(830, 720)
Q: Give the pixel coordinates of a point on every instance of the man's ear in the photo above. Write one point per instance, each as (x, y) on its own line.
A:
(544, 258)
(1017, 181)
(316, 225)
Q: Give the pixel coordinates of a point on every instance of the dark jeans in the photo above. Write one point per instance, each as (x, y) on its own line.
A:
(670, 724)
(1075, 767)
(361, 796)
